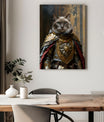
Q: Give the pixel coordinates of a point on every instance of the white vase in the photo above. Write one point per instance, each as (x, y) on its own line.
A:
(23, 92)
(11, 92)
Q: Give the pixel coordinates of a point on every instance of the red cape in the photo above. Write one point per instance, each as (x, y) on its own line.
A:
(78, 48)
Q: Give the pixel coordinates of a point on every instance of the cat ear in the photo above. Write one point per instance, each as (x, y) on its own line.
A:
(54, 17)
(68, 16)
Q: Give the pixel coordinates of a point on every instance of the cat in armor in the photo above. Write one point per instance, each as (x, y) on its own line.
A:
(61, 48)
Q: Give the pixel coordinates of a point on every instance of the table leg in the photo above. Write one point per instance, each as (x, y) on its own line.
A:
(1, 117)
(91, 116)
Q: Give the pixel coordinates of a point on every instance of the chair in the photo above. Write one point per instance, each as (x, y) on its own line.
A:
(50, 91)
(28, 113)
(45, 91)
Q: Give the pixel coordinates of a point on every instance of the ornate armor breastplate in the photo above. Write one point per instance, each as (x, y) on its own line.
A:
(65, 50)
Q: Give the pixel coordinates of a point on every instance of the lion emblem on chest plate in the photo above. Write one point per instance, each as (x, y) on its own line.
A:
(65, 51)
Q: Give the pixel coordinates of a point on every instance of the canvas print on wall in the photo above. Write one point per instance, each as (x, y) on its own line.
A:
(62, 36)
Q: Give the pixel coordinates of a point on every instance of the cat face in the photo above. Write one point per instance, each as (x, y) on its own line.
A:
(62, 25)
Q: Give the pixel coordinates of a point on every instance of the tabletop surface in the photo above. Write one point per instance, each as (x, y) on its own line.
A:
(82, 102)
(74, 102)
(32, 99)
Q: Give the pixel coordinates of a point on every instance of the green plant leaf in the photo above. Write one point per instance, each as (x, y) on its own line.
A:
(15, 79)
(14, 74)
(14, 67)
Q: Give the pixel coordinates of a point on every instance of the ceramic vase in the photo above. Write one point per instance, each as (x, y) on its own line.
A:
(11, 92)
(23, 92)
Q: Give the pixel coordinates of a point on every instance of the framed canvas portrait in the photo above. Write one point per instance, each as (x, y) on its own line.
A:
(62, 36)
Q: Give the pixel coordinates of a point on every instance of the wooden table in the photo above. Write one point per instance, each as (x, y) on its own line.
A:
(68, 102)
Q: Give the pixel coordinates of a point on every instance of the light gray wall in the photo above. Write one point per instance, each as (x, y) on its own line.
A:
(23, 41)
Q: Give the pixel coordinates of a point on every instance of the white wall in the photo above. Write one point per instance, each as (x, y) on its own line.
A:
(23, 41)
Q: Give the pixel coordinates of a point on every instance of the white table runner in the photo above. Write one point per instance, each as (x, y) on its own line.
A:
(32, 99)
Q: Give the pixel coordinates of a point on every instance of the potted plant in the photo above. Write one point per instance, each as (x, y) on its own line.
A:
(15, 69)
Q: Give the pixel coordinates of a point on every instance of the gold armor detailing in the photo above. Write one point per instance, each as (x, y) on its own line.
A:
(65, 50)
(49, 37)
